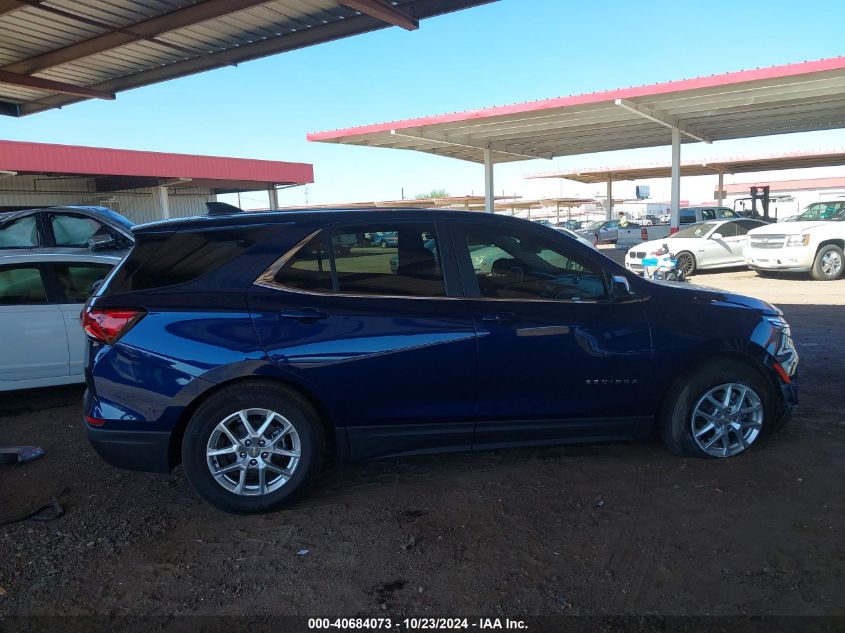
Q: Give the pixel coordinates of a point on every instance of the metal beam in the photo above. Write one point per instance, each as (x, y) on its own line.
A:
(660, 117)
(384, 12)
(7, 6)
(147, 29)
(676, 181)
(430, 136)
(489, 198)
(356, 25)
(38, 83)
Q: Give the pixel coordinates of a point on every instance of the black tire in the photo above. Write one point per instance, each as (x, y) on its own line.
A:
(686, 262)
(253, 395)
(825, 270)
(383, 244)
(675, 419)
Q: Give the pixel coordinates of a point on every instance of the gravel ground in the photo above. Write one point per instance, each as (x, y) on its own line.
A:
(597, 530)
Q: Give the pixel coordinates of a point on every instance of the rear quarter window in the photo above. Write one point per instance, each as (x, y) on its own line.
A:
(164, 260)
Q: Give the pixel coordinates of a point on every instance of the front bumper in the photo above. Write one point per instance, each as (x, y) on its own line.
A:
(790, 402)
(786, 260)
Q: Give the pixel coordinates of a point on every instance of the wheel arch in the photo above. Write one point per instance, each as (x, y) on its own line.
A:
(752, 359)
(835, 242)
(335, 445)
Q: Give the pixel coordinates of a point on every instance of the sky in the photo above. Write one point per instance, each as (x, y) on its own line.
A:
(505, 52)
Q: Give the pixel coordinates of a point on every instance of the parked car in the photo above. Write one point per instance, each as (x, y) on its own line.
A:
(814, 242)
(702, 246)
(572, 225)
(41, 297)
(601, 231)
(250, 351)
(633, 235)
(72, 229)
(385, 239)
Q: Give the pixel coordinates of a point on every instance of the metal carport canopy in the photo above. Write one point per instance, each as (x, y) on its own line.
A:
(56, 53)
(720, 167)
(800, 97)
(732, 165)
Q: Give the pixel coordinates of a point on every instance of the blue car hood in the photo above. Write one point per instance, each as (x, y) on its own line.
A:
(695, 293)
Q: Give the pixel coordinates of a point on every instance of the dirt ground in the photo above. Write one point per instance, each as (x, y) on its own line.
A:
(595, 530)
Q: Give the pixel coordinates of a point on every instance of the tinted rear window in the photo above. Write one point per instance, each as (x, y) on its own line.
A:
(159, 261)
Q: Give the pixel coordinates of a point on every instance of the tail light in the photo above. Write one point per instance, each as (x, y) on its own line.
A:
(673, 230)
(109, 324)
(644, 234)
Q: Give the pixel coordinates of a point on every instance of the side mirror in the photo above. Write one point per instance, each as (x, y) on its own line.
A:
(100, 242)
(716, 236)
(621, 289)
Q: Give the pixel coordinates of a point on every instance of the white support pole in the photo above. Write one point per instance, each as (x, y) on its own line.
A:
(676, 180)
(720, 188)
(609, 197)
(489, 199)
(273, 194)
(163, 201)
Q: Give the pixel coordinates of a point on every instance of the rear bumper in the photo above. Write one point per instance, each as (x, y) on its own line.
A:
(135, 450)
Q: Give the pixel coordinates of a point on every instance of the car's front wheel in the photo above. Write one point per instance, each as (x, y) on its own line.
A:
(252, 447)
(686, 262)
(828, 264)
(719, 409)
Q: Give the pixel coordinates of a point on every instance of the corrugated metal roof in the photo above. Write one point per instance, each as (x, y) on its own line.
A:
(212, 171)
(733, 165)
(791, 98)
(108, 47)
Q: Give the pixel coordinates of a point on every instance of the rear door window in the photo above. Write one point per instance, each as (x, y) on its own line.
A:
(728, 229)
(687, 216)
(400, 260)
(22, 285)
(20, 233)
(73, 230)
(77, 279)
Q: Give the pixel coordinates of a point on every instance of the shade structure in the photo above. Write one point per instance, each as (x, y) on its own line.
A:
(798, 97)
(56, 53)
(733, 165)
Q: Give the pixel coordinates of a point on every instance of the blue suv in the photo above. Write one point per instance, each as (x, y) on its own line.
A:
(252, 350)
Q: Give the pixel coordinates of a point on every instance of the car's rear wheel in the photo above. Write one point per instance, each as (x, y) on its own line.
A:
(686, 262)
(383, 244)
(252, 447)
(828, 264)
(719, 409)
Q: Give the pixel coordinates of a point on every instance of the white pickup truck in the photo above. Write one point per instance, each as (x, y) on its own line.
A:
(814, 242)
(626, 238)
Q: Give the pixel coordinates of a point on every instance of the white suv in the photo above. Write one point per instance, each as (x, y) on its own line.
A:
(813, 243)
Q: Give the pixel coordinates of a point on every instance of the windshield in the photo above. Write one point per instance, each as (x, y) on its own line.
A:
(696, 230)
(829, 211)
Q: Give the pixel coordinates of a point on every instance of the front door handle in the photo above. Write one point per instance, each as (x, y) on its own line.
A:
(501, 318)
(304, 315)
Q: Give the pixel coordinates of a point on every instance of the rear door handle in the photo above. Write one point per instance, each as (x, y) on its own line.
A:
(502, 318)
(304, 315)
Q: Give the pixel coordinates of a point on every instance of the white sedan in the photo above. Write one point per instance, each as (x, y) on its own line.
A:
(41, 296)
(714, 244)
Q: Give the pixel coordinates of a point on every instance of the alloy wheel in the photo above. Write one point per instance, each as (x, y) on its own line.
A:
(253, 452)
(832, 264)
(686, 263)
(727, 419)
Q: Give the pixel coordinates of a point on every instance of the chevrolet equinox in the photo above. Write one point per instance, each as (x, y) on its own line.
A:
(253, 347)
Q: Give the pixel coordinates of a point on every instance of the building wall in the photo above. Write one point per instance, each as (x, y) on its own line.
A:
(139, 205)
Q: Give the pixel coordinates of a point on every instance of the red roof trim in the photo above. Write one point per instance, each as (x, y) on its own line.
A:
(724, 79)
(100, 161)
